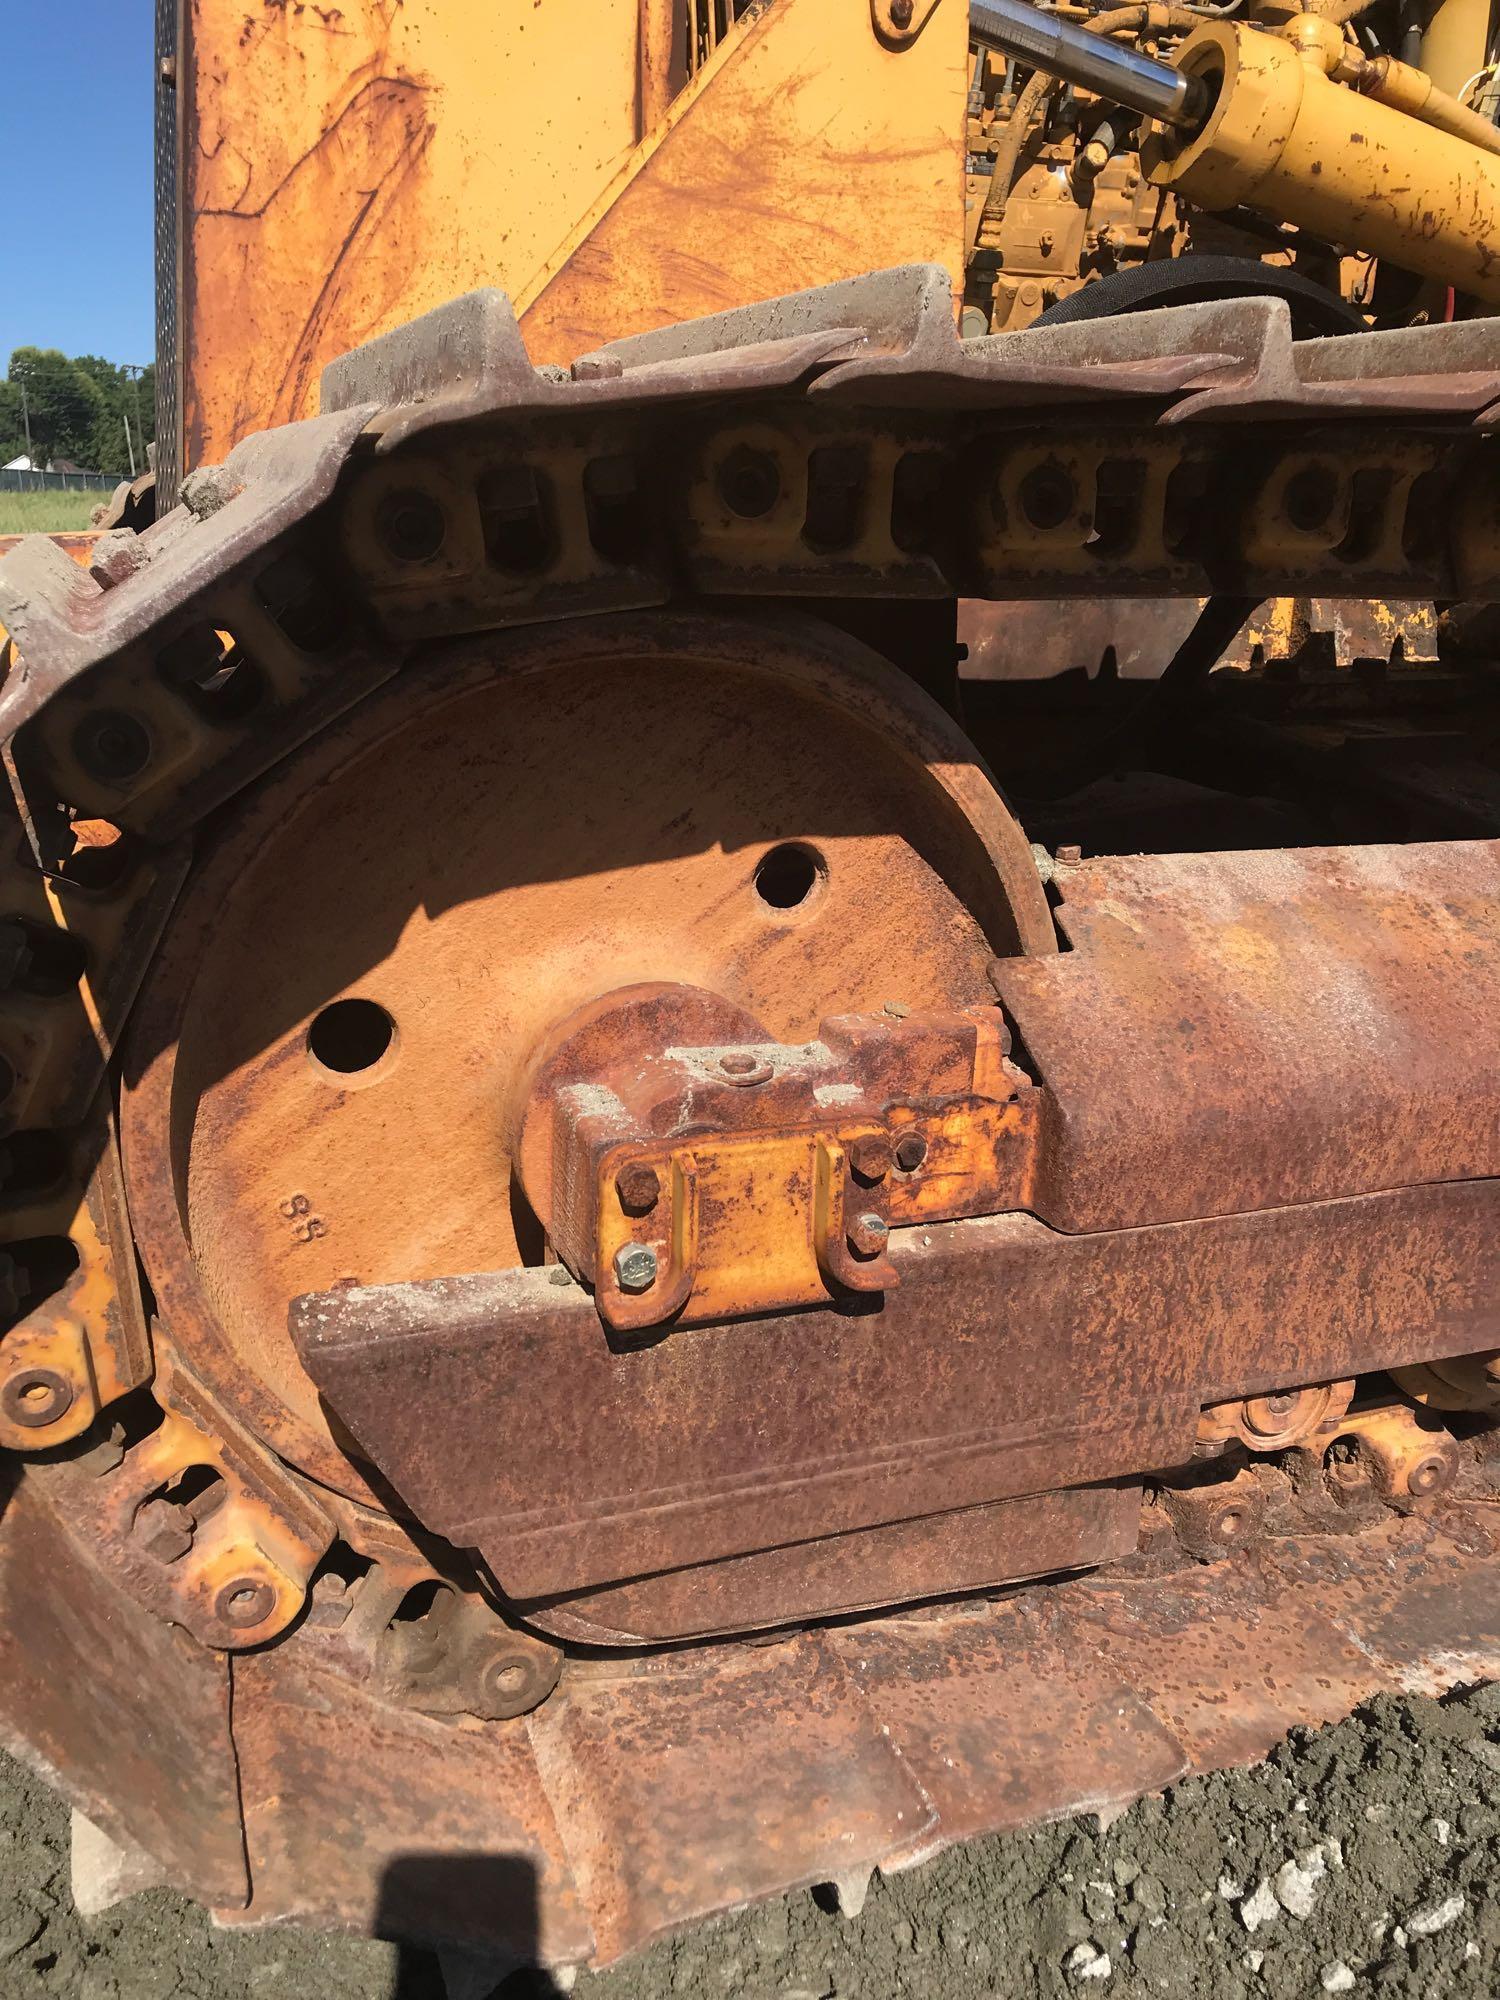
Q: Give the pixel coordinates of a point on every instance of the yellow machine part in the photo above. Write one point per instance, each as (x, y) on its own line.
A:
(1455, 42)
(346, 170)
(1285, 139)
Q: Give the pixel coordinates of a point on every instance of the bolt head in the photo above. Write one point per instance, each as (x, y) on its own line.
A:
(867, 1234)
(635, 1267)
(911, 1151)
(244, 1603)
(639, 1187)
(870, 1156)
(901, 13)
(163, 1530)
(1429, 1475)
(742, 1068)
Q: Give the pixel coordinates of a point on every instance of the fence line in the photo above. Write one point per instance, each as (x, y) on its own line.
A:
(14, 480)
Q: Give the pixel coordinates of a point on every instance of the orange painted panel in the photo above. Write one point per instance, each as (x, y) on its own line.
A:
(809, 152)
(349, 165)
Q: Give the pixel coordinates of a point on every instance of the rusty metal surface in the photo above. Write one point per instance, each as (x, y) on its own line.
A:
(230, 1563)
(454, 1834)
(942, 1556)
(697, 1782)
(122, 1711)
(221, 564)
(1011, 1360)
(1003, 1719)
(71, 1350)
(740, 1771)
(1233, 1031)
(548, 876)
(690, 1168)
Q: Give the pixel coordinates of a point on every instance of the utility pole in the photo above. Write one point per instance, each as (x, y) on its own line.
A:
(128, 445)
(26, 420)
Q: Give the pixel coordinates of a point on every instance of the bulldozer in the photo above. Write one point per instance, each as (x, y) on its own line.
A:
(751, 950)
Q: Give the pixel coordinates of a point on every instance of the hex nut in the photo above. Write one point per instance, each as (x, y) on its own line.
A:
(870, 1156)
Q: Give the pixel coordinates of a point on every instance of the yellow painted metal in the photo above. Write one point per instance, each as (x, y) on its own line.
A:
(1455, 43)
(1413, 91)
(1286, 140)
(805, 151)
(345, 169)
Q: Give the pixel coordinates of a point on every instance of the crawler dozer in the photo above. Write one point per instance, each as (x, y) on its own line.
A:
(751, 950)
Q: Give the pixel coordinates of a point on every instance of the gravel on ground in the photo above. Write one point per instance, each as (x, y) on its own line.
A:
(1358, 1859)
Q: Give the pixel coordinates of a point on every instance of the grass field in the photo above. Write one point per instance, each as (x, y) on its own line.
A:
(46, 513)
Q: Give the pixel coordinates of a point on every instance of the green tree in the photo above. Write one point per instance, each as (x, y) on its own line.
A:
(129, 399)
(12, 427)
(78, 409)
(62, 403)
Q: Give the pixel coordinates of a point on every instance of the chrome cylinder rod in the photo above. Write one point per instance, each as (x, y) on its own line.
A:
(1035, 36)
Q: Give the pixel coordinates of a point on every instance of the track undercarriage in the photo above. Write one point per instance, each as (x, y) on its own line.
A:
(586, 1215)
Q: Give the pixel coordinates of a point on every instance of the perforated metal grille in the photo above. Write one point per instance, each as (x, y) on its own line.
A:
(168, 343)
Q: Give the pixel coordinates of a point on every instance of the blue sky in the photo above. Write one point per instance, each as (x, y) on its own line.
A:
(76, 269)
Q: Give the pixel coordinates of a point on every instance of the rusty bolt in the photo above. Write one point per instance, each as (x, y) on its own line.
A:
(870, 1156)
(506, 1679)
(635, 1267)
(741, 1067)
(245, 1602)
(163, 1530)
(901, 13)
(112, 746)
(36, 1397)
(1433, 1474)
(1070, 855)
(749, 482)
(329, 1603)
(639, 1187)
(867, 1234)
(911, 1151)
(515, 1681)
(1211, 1519)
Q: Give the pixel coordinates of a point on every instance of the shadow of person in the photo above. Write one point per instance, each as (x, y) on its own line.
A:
(467, 1926)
